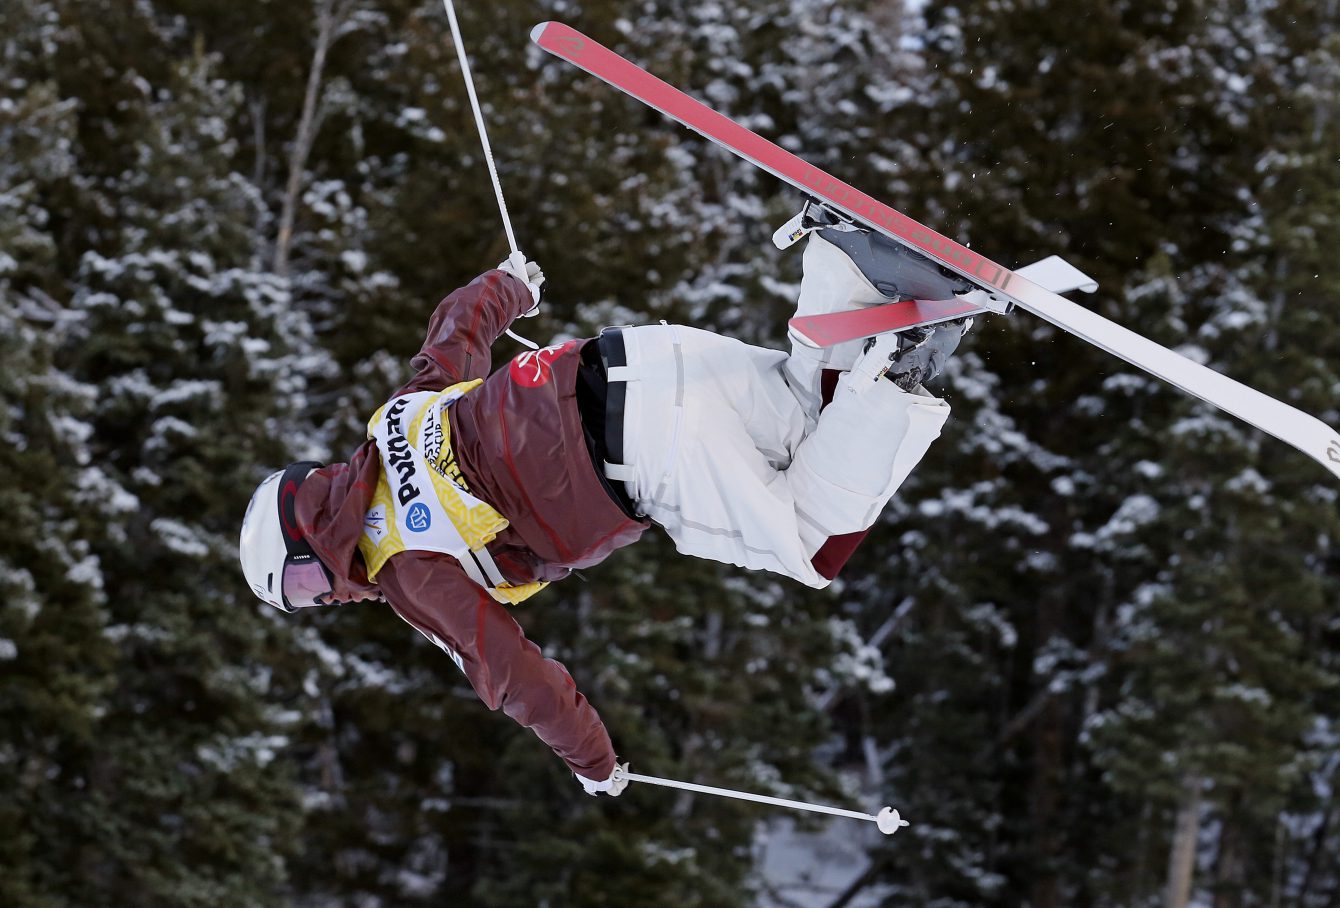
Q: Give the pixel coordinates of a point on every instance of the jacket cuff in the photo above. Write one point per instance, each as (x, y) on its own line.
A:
(518, 288)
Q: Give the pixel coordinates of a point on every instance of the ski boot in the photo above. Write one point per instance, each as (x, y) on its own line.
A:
(896, 272)
(909, 358)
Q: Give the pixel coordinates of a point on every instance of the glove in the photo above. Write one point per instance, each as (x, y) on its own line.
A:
(534, 281)
(613, 786)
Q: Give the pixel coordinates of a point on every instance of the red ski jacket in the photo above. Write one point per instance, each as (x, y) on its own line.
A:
(520, 446)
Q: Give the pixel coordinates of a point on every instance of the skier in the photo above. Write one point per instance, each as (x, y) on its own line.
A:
(476, 490)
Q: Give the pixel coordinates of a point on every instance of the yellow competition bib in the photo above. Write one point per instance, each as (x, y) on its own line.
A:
(421, 502)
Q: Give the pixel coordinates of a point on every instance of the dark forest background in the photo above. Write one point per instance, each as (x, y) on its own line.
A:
(1091, 651)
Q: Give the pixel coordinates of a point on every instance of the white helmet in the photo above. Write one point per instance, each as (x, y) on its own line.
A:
(278, 562)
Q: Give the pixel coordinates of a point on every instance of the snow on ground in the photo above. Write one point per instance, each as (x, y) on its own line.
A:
(811, 869)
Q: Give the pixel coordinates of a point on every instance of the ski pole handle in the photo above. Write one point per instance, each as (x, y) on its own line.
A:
(888, 820)
(518, 262)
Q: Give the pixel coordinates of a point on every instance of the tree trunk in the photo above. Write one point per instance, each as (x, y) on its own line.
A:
(1230, 871)
(258, 176)
(1182, 857)
(1047, 787)
(1278, 862)
(326, 21)
(1048, 784)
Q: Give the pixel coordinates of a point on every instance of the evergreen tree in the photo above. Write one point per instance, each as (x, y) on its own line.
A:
(161, 793)
(53, 657)
(1088, 652)
(1073, 497)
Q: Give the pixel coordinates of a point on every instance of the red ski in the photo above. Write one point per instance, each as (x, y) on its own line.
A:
(1053, 272)
(833, 328)
(999, 287)
(571, 45)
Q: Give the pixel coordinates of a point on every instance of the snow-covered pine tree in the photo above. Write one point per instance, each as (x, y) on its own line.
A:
(1223, 668)
(1302, 199)
(1048, 130)
(193, 365)
(54, 659)
(1035, 588)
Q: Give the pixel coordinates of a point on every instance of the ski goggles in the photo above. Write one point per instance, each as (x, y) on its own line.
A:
(305, 584)
(304, 580)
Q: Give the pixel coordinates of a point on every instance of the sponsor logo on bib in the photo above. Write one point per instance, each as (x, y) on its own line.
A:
(400, 459)
(534, 368)
(419, 518)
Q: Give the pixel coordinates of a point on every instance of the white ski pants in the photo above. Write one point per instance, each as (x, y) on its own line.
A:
(727, 455)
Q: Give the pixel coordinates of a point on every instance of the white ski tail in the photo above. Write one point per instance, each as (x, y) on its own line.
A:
(1057, 275)
(1000, 285)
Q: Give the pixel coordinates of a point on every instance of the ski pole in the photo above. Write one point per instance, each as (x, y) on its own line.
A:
(888, 820)
(515, 258)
